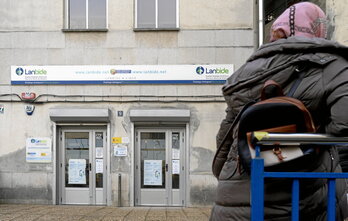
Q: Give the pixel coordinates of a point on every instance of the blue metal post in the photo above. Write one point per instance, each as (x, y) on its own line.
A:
(295, 201)
(257, 187)
(331, 201)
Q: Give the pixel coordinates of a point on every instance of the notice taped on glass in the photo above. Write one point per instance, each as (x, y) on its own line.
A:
(77, 172)
(153, 172)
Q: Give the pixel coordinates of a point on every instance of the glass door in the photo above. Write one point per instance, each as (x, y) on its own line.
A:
(159, 168)
(82, 166)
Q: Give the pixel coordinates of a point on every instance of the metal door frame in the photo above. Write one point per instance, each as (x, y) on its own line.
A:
(183, 171)
(92, 155)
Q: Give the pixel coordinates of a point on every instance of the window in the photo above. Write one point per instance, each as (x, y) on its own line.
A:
(156, 14)
(272, 9)
(86, 14)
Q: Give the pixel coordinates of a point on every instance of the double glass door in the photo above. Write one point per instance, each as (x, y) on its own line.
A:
(159, 168)
(82, 166)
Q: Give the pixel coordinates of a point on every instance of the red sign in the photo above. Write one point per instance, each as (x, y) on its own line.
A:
(28, 96)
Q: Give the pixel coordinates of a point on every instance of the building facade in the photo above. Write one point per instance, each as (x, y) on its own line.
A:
(118, 102)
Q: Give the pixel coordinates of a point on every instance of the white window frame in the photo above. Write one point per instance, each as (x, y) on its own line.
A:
(156, 16)
(67, 20)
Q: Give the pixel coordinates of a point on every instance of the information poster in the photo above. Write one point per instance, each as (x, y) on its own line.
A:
(38, 150)
(176, 166)
(99, 166)
(153, 172)
(120, 151)
(77, 171)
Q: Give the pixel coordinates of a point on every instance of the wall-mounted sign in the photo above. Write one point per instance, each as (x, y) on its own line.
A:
(29, 109)
(28, 96)
(116, 140)
(38, 150)
(120, 151)
(120, 140)
(122, 74)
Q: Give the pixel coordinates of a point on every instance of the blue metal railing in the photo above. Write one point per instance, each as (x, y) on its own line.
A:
(258, 174)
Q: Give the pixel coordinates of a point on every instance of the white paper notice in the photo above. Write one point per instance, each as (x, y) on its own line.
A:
(77, 171)
(153, 172)
(99, 166)
(120, 151)
(176, 166)
(175, 153)
(99, 152)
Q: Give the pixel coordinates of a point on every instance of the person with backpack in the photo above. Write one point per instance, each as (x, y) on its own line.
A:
(311, 69)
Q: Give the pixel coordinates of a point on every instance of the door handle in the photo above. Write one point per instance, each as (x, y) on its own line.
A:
(89, 167)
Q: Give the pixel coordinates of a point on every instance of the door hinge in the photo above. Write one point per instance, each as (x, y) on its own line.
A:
(61, 199)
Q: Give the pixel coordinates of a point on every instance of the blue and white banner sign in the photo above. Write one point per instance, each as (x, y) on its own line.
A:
(122, 74)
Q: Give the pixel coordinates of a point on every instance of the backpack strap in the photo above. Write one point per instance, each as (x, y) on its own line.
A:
(297, 82)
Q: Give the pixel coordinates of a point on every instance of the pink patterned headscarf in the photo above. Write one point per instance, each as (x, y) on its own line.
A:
(302, 19)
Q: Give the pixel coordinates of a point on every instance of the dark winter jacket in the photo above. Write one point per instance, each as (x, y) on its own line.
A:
(324, 91)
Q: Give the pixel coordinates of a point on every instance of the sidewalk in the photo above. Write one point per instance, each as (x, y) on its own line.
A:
(27, 212)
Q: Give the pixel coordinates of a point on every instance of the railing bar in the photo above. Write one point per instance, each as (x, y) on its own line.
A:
(298, 138)
(331, 201)
(319, 175)
(295, 200)
(258, 175)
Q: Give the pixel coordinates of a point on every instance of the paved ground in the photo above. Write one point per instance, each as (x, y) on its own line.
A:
(91, 213)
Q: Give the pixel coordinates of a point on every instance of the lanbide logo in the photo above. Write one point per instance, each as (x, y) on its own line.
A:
(19, 71)
(200, 70)
(217, 71)
(35, 72)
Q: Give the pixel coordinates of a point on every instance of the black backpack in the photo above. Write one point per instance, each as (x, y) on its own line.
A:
(274, 113)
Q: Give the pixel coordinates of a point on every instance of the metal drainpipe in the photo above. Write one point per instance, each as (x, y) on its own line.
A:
(260, 23)
(119, 190)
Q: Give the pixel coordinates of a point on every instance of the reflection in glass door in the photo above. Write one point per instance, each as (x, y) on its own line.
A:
(82, 166)
(159, 168)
